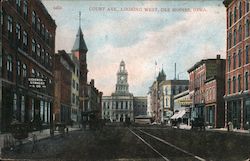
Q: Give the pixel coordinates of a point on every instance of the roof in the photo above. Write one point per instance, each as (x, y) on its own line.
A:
(79, 44)
(227, 2)
(63, 54)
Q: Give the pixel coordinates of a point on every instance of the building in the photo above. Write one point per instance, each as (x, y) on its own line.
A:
(237, 98)
(75, 105)
(206, 89)
(161, 97)
(94, 105)
(64, 68)
(27, 41)
(140, 105)
(80, 50)
(119, 105)
(122, 104)
(182, 107)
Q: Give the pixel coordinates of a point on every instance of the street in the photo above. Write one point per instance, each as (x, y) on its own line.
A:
(137, 143)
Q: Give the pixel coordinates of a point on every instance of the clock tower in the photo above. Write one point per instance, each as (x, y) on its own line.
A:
(122, 80)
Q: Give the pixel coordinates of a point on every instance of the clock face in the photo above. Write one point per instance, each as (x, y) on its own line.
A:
(122, 78)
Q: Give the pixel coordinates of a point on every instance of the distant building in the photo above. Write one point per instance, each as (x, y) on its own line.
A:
(161, 96)
(119, 105)
(27, 48)
(237, 95)
(206, 89)
(182, 107)
(63, 79)
(140, 105)
(122, 104)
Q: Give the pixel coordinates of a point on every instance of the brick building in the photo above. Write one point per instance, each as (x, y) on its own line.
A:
(27, 51)
(206, 89)
(237, 98)
(64, 68)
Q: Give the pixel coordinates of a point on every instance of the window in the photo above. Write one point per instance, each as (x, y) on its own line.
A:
(33, 73)
(239, 58)
(235, 13)
(25, 9)
(234, 84)
(240, 10)
(18, 31)
(230, 18)
(38, 50)
(38, 25)
(73, 83)
(43, 30)
(77, 86)
(239, 83)
(247, 54)
(247, 5)
(247, 28)
(235, 37)
(10, 25)
(240, 33)
(246, 81)
(42, 55)
(47, 58)
(33, 46)
(9, 63)
(46, 35)
(230, 40)
(24, 70)
(18, 68)
(15, 106)
(73, 98)
(18, 4)
(34, 19)
(234, 60)
(229, 85)
(25, 38)
(229, 62)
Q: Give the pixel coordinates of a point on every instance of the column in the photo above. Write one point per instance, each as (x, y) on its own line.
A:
(226, 114)
(242, 114)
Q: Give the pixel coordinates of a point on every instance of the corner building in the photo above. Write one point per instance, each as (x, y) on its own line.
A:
(27, 47)
(237, 98)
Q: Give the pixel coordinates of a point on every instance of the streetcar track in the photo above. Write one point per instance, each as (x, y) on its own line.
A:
(150, 146)
(169, 144)
(165, 143)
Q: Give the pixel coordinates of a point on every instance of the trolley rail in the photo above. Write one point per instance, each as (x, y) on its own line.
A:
(164, 149)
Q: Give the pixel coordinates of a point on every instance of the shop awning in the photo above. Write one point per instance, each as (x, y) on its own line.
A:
(180, 114)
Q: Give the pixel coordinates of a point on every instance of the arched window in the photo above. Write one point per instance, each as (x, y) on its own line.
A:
(239, 58)
(229, 86)
(239, 83)
(234, 57)
(246, 81)
(247, 28)
(235, 37)
(230, 40)
(247, 48)
(235, 13)
(240, 10)
(240, 33)
(234, 84)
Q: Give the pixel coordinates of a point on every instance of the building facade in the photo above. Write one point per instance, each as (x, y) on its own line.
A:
(140, 105)
(64, 68)
(237, 98)
(75, 110)
(161, 97)
(120, 105)
(27, 51)
(206, 89)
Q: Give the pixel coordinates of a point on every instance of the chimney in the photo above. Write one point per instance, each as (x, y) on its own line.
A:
(217, 56)
(92, 82)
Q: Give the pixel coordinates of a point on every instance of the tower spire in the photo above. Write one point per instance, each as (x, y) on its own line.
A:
(79, 18)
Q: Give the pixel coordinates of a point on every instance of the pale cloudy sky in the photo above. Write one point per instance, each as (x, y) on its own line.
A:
(141, 38)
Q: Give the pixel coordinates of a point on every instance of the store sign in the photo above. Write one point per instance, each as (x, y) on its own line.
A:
(185, 102)
(37, 83)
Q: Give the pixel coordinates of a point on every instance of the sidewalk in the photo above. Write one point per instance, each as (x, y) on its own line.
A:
(187, 127)
(7, 140)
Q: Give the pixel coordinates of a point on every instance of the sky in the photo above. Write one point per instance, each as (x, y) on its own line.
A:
(147, 35)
